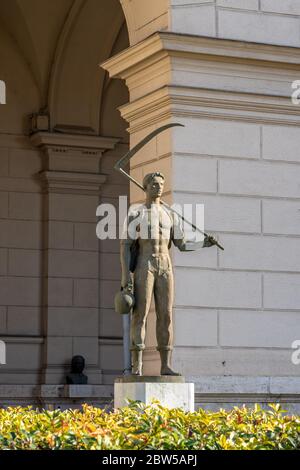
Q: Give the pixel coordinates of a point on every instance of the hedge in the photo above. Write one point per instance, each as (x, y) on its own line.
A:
(138, 427)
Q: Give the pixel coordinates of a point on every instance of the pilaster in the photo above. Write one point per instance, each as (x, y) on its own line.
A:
(71, 179)
(241, 135)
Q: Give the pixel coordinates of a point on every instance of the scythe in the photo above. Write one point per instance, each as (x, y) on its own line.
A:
(119, 166)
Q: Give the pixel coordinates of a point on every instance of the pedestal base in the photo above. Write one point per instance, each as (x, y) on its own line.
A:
(171, 391)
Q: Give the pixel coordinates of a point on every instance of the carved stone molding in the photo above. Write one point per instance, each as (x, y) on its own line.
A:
(72, 161)
(171, 101)
(176, 75)
(127, 62)
(67, 182)
(74, 141)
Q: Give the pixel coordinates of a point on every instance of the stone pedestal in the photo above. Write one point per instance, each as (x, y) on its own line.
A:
(172, 392)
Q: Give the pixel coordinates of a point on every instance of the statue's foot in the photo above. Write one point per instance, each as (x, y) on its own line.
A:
(168, 371)
(137, 370)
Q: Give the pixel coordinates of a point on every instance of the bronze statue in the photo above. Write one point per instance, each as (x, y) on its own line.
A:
(152, 268)
(146, 263)
(76, 376)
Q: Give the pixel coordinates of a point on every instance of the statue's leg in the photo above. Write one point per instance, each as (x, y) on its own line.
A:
(163, 294)
(137, 362)
(143, 290)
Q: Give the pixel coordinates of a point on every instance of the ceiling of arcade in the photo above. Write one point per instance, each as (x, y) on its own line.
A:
(49, 56)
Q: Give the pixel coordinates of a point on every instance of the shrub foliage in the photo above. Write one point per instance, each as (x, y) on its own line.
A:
(138, 427)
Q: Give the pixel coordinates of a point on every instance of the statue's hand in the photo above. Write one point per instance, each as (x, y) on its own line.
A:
(127, 285)
(209, 241)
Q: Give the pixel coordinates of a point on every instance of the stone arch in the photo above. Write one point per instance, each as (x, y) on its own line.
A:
(77, 82)
(114, 93)
(18, 76)
(58, 68)
(145, 18)
(35, 38)
(58, 60)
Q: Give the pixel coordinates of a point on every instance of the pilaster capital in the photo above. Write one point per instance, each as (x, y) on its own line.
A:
(72, 161)
(83, 143)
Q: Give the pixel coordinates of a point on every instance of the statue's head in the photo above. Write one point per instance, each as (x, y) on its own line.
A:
(153, 184)
(77, 364)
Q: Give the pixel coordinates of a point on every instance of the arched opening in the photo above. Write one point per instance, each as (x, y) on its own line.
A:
(63, 306)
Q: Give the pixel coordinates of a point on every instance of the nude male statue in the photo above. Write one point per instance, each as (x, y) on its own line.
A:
(153, 272)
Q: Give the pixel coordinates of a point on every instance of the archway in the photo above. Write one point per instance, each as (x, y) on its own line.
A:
(57, 292)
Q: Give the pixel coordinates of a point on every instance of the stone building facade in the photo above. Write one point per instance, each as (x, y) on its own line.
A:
(84, 80)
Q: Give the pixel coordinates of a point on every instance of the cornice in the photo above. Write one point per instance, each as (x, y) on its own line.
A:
(22, 339)
(75, 141)
(163, 43)
(172, 101)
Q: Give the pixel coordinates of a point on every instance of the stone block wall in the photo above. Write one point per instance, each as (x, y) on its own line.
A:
(21, 260)
(264, 21)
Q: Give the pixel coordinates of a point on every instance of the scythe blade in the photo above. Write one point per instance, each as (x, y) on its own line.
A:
(125, 159)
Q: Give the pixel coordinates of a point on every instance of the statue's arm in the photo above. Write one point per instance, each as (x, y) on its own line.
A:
(179, 240)
(125, 246)
(190, 245)
(126, 243)
(187, 245)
